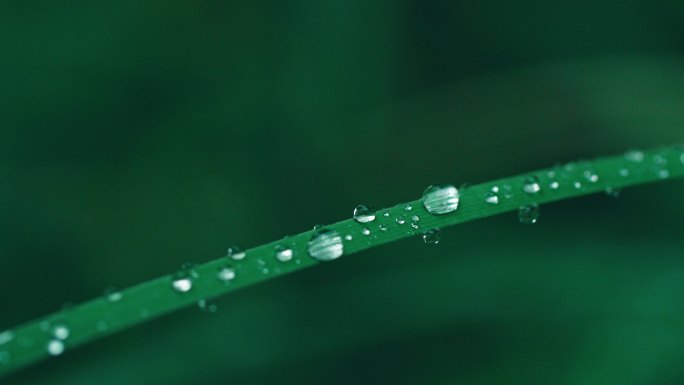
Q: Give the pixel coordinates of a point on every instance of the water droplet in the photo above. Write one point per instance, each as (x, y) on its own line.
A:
(531, 185)
(348, 237)
(382, 227)
(318, 227)
(591, 176)
(386, 214)
(283, 253)
(236, 253)
(431, 237)
(415, 218)
(577, 185)
(528, 214)
(326, 246)
(6, 337)
(400, 220)
(61, 332)
(554, 185)
(659, 160)
(613, 192)
(55, 347)
(207, 306)
(182, 279)
(491, 197)
(112, 295)
(441, 199)
(623, 172)
(408, 207)
(634, 156)
(365, 232)
(364, 214)
(663, 174)
(225, 274)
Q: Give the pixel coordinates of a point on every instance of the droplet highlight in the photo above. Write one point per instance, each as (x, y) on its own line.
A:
(441, 199)
(364, 214)
(432, 237)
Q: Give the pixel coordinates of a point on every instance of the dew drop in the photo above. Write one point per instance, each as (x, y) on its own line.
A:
(348, 237)
(577, 185)
(364, 214)
(491, 197)
(441, 199)
(112, 295)
(382, 227)
(663, 174)
(400, 220)
(6, 337)
(659, 160)
(634, 156)
(207, 306)
(431, 237)
(365, 232)
(326, 246)
(613, 192)
(235, 252)
(528, 214)
(182, 279)
(415, 218)
(386, 214)
(225, 274)
(554, 185)
(531, 185)
(182, 285)
(591, 176)
(623, 172)
(61, 332)
(55, 347)
(318, 227)
(283, 253)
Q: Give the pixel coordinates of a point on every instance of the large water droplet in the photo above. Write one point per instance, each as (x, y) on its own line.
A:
(531, 185)
(491, 197)
(284, 253)
(182, 279)
(55, 347)
(225, 274)
(326, 246)
(441, 199)
(431, 237)
(365, 232)
(528, 214)
(61, 332)
(364, 214)
(235, 252)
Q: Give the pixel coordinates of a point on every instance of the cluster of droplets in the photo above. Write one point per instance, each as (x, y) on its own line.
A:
(59, 333)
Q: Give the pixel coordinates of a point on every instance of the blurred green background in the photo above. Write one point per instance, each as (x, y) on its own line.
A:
(138, 135)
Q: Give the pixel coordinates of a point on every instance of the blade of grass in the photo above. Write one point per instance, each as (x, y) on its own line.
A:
(67, 329)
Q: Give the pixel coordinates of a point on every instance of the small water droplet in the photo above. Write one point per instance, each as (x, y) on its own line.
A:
(577, 185)
(591, 176)
(663, 174)
(225, 274)
(624, 172)
(441, 199)
(235, 252)
(491, 197)
(528, 214)
(659, 160)
(207, 306)
(531, 185)
(318, 227)
(382, 227)
(326, 246)
(364, 214)
(386, 214)
(182, 285)
(365, 232)
(112, 295)
(6, 336)
(348, 237)
(283, 253)
(182, 279)
(61, 332)
(400, 220)
(613, 192)
(634, 156)
(431, 237)
(554, 185)
(415, 218)
(55, 347)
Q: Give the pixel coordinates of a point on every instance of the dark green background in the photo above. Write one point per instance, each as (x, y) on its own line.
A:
(138, 135)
